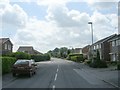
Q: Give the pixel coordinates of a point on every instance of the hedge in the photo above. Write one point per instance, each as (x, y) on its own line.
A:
(76, 57)
(41, 57)
(118, 66)
(98, 64)
(7, 63)
(20, 55)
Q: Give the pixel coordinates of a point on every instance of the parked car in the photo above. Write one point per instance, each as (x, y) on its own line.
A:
(24, 67)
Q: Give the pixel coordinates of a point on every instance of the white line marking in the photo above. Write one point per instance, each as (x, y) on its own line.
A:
(55, 76)
(53, 87)
(57, 69)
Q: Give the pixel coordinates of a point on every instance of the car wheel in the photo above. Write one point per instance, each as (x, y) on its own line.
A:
(14, 74)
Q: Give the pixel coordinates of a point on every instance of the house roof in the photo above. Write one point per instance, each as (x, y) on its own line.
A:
(3, 40)
(105, 39)
(86, 46)
(25, 48)
(115, 38)
(28, 48)
(77, 48)
(37, 52)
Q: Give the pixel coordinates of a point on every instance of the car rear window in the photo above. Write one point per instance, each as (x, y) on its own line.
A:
(22, 62)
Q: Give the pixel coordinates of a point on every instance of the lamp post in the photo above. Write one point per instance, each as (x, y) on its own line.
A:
(91, 30)
(92, 38)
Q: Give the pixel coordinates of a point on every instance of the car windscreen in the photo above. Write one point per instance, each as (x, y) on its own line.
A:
(22, 62)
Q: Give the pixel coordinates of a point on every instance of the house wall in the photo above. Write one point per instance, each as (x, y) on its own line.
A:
(8, 48)
(106, 51)
(115, 50)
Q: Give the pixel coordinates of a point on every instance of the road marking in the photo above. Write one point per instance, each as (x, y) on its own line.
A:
(53, 87)
(57, 69)
(55, 76)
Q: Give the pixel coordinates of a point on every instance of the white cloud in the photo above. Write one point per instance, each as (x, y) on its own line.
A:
(104, 25)
(52, 2)
(62, 27)
(65, 18)
(13, 15)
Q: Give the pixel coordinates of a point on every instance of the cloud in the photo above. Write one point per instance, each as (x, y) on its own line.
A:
(61, 27)
(104, 23)
(13, 15)
(52, 2)
(61, 16)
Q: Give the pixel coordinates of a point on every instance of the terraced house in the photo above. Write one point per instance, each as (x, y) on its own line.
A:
(115, 48)
(103, 46)
(6, 46)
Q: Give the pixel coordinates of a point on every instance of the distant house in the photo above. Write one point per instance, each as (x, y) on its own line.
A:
(103, 46)
(115, 48)
(77, 50)
(85, 51)
(6, 46)
(28, 49)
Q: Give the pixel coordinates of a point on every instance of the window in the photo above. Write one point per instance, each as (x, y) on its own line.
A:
(113, 43)
(94, 48)
(97, 46)
(9, 47)
(5, 46)
(118, 42)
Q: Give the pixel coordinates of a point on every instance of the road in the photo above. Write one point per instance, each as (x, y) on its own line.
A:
(58, 73)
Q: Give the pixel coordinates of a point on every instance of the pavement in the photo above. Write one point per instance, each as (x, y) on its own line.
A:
(59, 73)
(109, 75)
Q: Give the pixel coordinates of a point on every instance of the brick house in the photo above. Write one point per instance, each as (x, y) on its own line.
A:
(85, 51)
(103, 46)
(115, 48)
(6, 46)
(28, 49)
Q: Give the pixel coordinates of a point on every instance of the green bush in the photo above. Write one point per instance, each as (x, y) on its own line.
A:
(46, 56)
(7, 63)
(97, 63)
(38, 58)
(118, 66)
(20, 55)
(75, 57)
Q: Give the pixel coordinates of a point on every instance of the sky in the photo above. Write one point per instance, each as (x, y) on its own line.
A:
(47, 24)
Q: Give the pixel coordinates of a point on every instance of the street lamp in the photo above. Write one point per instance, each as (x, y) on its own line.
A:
(92, 37)
(91, 30)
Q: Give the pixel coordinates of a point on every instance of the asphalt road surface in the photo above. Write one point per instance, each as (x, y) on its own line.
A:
(58, 73)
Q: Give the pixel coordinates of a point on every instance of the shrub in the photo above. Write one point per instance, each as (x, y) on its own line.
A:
(118, 66)
(20, 55)
(75, 57)
(37, 58)
(7, 63)
(41, 57)
(97, 63)
(46, 56)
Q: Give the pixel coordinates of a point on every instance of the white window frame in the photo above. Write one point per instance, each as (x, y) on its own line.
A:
(6, 46)
(100, 45)
(113, 43)
(9, 47)
(118, 41)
